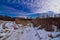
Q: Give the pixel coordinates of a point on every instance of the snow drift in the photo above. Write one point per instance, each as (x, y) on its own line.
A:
(12, 31)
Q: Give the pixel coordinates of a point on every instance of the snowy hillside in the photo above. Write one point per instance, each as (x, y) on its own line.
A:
(12, 31)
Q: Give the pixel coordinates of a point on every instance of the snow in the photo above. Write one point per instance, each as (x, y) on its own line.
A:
(27, 32)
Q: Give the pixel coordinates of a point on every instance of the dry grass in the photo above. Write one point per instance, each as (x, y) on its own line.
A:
(22, 21)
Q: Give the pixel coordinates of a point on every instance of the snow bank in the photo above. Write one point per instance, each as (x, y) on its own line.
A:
(25, 32)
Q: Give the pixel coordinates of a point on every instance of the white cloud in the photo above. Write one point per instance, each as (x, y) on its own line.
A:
(50, 5)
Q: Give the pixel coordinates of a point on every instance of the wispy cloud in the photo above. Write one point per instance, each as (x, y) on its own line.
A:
(29, 8)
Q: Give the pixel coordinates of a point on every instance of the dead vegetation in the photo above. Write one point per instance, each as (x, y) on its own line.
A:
(44, 22)
(22, 21)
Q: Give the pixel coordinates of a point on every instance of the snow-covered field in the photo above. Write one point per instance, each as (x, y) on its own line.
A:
(12, 31)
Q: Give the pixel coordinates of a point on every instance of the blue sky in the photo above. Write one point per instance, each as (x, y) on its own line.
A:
(19, 7)
(15, 9)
